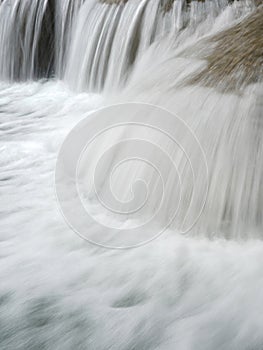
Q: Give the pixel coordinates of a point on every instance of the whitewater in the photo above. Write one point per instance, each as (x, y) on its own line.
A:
(63, 64)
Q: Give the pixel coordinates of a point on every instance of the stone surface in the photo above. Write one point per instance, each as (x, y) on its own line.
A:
(237, 58)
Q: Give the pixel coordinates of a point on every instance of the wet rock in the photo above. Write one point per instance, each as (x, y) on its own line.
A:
(236, 59)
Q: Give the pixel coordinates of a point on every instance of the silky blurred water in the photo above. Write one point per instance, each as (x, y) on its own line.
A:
(59, 292)
(200, 291)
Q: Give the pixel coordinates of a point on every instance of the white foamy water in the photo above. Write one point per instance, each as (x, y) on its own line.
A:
(202, 290)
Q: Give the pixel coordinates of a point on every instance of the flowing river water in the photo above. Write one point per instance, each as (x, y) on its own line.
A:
(60, 62)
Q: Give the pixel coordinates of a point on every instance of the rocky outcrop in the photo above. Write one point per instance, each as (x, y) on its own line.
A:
(167, 4)
(237, 57)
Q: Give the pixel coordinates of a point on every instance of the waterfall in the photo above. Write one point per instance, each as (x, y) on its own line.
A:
(92, 44)
(26, 39)
(157, 52)
(131, 124)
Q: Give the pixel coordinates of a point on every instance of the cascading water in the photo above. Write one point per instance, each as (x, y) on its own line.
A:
(60, 60)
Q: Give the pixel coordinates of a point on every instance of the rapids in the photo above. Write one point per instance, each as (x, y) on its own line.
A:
(61, 63)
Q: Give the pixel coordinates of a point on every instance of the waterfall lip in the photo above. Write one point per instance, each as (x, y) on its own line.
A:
(93, 129)
(95, 44)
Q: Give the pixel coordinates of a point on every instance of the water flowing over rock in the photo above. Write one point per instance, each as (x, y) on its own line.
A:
(151, 111)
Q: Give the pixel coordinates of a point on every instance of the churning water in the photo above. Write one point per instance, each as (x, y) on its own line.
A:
(201, 62)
